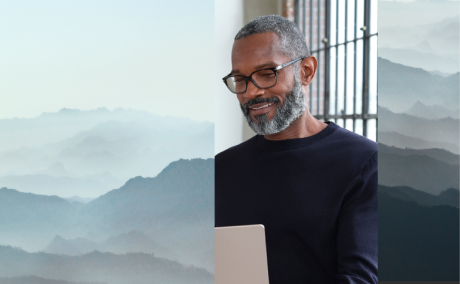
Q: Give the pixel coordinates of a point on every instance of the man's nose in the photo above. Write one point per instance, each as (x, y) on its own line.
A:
(253, 91)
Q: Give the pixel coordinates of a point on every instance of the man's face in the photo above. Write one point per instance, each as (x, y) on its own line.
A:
(271, 110)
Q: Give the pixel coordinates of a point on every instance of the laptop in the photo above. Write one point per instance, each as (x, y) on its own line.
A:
(240, 255)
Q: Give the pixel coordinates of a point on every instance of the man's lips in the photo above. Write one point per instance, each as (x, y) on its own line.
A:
(260, 106)
(259, 109)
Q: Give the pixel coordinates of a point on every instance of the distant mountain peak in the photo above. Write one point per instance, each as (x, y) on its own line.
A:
(57, 169)
(72, 110)
(68, 110)
(422, 110)
(59, 245)
(450, 190)
(172, 170)
(7, 189)
(418, 106)
(423, 46)
(185, 163)
(59, 238)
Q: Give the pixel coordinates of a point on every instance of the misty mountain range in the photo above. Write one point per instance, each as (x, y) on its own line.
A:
(39, 280)
(417, 243)
(50, 128)
(431, 112)
(419, 59)
(175, 210)
(431, 47)
(418, 89)
(136, 268)
(444, 130)
(89, 153)
(62, 185)
(134, 241)
(446, 197)
(431, 171)
(396, 139)
(438, 154)
(400, 87)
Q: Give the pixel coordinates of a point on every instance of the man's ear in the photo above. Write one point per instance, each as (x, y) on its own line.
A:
(308, 70)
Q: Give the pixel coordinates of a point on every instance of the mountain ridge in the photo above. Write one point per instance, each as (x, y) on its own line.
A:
(417, 243)
(395, 139)
(431, 112)
(444, 130)
(446, 197)
(131, 242)
(122, 149)
(180, 198)
(417, 171)
(52, 127)
(138, 268)
(436, 153)
(406, 85)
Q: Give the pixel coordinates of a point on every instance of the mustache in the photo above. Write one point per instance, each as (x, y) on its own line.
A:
(260, 100)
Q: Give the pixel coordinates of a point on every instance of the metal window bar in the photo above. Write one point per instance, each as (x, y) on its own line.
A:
(311, 41)
(305, 19)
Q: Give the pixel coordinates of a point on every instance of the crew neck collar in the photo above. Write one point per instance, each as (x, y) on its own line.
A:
(280, 145)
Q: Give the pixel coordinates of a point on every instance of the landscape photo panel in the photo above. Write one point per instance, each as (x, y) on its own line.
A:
(418, 135)
(106, 142)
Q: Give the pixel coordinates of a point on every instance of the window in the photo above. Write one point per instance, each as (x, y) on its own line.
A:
(342, 35)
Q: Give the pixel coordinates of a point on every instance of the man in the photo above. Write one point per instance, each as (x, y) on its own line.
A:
(313, 185)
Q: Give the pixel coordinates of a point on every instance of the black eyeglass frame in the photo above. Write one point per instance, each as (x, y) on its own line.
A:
(247, 78)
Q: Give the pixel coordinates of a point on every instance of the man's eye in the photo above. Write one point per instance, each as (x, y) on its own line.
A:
(266, 74)
(238, 79)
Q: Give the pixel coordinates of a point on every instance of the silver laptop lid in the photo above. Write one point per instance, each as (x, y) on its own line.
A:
(240, 255)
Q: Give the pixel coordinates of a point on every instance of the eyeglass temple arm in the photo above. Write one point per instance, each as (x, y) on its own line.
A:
(289, 63)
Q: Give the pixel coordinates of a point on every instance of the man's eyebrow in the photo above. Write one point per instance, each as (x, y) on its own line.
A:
(257, 67)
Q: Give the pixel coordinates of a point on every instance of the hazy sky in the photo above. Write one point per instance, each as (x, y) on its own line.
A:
(409, 13)
(141, 54)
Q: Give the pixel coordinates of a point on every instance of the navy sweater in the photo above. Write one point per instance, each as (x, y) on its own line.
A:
(316, 197)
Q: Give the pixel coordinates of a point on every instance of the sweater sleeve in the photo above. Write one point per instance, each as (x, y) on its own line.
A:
(357, 231)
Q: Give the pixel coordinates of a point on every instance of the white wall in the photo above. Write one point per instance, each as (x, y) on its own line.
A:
(228, 118)
(230, 15)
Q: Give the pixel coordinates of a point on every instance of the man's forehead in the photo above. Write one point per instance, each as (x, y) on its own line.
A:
(256, 51)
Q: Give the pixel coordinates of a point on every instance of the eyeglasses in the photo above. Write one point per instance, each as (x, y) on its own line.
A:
(263, 78)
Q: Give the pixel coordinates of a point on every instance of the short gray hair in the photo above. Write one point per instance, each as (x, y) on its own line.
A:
(292, 40)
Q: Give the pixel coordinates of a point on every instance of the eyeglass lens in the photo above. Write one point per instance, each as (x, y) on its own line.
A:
(263, 79)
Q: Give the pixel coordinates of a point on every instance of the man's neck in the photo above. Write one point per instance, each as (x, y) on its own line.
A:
(306, 125)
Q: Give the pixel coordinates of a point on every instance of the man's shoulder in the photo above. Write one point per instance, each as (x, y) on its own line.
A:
(358, 142)
(353, 148)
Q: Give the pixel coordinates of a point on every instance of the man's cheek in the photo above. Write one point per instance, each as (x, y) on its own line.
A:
(272, 112)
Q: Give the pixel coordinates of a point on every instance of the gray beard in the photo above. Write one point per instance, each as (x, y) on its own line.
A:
(293, 107)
